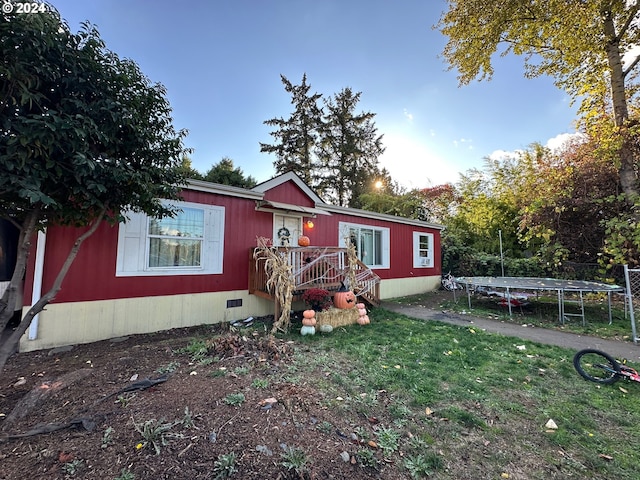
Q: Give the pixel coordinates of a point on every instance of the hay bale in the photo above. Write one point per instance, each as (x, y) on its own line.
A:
(337, 317)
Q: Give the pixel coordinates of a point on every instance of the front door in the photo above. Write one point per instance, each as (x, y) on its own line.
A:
(286, 230)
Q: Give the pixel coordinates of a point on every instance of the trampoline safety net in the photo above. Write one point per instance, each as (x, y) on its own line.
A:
(632, 277)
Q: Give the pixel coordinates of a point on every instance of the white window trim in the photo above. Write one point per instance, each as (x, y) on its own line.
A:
(133, 245)
(418, 261)
(343, 231)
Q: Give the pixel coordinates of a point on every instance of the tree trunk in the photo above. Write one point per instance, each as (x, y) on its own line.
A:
(10, 296)
(10, 345)
(626, 172)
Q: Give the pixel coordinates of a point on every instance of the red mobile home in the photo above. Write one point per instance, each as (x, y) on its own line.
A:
(148, 275)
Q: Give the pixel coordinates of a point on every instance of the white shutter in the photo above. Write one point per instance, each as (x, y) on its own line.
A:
(132, 237)
(213, 239)
(386, 247)
(416, 249)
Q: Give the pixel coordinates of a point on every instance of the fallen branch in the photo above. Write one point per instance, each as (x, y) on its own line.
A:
(88, 423)
(137, 386)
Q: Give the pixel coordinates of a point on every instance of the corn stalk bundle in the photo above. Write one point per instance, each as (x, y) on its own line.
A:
(279, 280)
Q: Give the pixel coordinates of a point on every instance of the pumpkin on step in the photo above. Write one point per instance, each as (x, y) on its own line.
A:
(344, 300)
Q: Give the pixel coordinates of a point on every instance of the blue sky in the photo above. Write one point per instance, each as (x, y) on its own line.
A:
(221, 63)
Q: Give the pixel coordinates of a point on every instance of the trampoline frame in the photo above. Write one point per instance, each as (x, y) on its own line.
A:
(560, 286)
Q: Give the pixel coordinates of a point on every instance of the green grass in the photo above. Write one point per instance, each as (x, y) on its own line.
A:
(541, 312)
(458, 393)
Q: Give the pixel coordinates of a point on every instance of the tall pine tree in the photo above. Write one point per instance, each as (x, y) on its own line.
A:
(348, 151)
(296, 136)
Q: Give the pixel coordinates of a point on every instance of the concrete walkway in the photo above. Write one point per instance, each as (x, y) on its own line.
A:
(576, 342)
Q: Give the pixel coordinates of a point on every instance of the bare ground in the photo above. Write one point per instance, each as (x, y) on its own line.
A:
(63, 414)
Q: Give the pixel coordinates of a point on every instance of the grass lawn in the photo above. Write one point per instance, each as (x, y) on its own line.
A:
(542, 311)
(467, 404)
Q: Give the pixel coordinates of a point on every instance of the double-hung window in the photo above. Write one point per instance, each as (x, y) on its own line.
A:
(177, 241)
(190, 243)
(372, 243)
(422, 250)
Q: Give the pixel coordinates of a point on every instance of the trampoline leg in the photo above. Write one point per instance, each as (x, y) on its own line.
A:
(560, 309)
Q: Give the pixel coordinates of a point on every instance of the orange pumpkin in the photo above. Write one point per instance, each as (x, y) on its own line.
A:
(309, 322)
(344, 300)
(304, 241)
(308, 314)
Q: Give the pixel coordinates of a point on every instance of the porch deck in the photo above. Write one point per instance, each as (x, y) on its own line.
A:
(317, 267)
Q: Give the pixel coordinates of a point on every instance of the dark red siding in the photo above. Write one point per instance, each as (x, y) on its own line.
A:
(326, 230)
(92, 275)
(289, 193)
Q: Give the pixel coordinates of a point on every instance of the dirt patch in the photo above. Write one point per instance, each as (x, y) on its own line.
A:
(230, 401)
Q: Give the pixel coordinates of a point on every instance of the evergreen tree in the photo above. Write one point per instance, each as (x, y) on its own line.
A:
(188, 170)
(348, 151)
(224, 172)
(296, 136)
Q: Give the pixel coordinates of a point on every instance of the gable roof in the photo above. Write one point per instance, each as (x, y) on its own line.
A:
(257, 194)
(284, 178)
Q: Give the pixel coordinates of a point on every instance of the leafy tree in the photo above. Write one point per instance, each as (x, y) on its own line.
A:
(481, 215)
(570, 198)
(84, 135)
(484, 214)
(349, 149)
(579, 43)
(224, 172)
(407, 205)
(296, 136)
(440, 202)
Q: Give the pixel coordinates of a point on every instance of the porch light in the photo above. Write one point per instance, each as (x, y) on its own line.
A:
(309, 224)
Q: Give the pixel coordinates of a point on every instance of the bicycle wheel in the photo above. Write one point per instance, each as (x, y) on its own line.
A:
(596, 366)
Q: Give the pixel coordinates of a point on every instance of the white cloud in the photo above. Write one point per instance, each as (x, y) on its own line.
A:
(504, 154)
(552, 144)
(408, 116)
(461, 143)
(559, 140)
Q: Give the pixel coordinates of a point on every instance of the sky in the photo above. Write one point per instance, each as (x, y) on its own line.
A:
(221, 62)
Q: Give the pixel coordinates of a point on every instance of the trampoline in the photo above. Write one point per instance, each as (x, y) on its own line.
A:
(512, 284)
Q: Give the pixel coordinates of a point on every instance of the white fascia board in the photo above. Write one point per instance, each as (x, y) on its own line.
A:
(356, 212)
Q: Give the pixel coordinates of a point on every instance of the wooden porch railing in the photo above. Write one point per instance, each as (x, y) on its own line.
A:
(317, 267)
